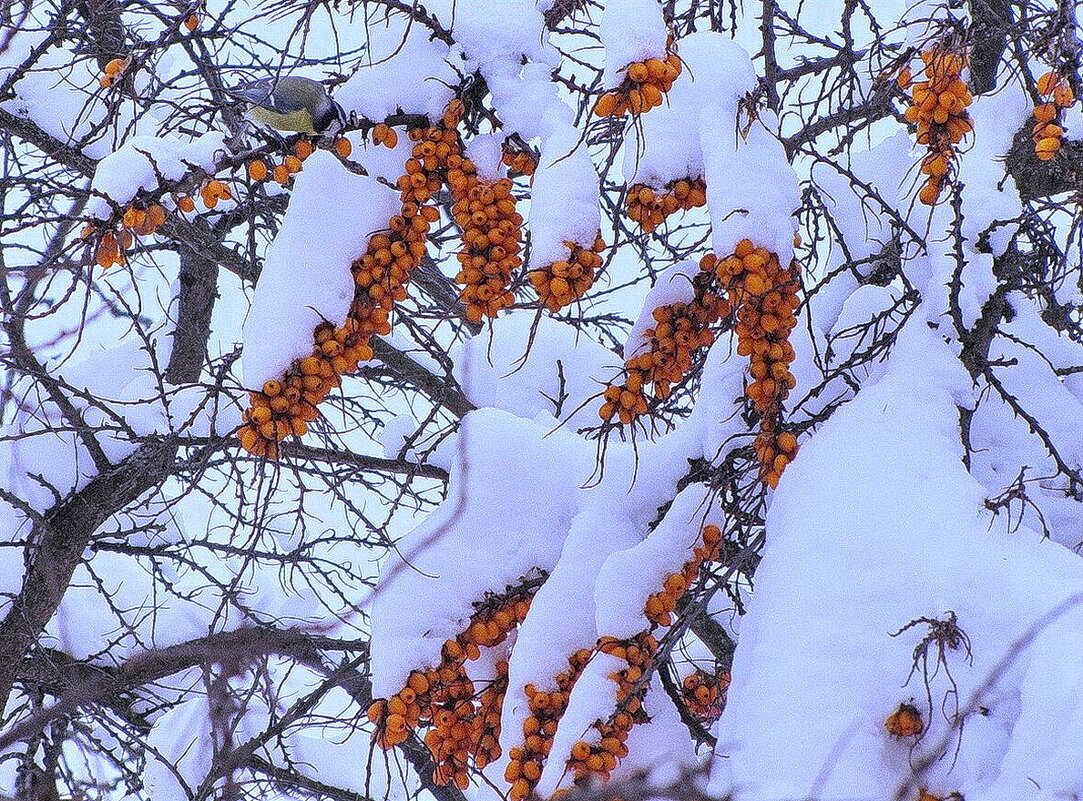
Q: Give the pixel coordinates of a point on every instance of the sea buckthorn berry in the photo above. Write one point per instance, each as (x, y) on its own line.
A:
(133, 217)
(343, 147)
(257, 170)
(681, 329)
(191, 22)
(905, 722)
(1048, 82)
(303, 148)
(156, 216)
(606, 104)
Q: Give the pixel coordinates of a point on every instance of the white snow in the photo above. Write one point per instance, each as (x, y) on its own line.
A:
(537, 368)
(914, 536)
(404, 71)
(631, 30)
(510, 502)
(564, 203)
(306, 276)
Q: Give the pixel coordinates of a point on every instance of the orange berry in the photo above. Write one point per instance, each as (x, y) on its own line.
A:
(606, 105)
(343, 147)
(133, 217)
(1045, 112)
(1047, 83)
(257, 170)
(191, 22)
(155, 216)
(930, 192)
(1047, 148)
(303, 148)
(638, 72)
(904, 722)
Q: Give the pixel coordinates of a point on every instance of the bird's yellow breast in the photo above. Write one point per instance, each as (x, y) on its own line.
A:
(300, 121)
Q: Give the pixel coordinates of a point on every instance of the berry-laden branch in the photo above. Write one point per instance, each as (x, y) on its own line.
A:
(938, 106)
(680, 329)
(644, 84)
(599, 756)
(764, 295)
(463, 724)
(285, 406)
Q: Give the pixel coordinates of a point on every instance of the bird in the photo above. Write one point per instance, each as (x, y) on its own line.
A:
(290, 103)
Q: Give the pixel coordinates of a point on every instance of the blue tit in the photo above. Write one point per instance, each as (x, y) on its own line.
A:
(290, 103)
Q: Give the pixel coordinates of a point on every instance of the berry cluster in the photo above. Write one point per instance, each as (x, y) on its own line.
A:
(644, 84)
(600, 758)
(380, 276)
(546, 708)
(938, 106)
(704, 694)
(464, 724)
(662, 604)
(1048, 133)
(111, 72)
(679, 330)
(521, 161)
(290, 165)
(650, 207)
(383, 134)
(138, 219)
(492, 236)
(765, 297)
(567, 280)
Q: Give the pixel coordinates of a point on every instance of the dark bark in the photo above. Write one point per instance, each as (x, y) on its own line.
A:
(1036, 178)
(59, 538)
(989, 38)
(198, 290)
